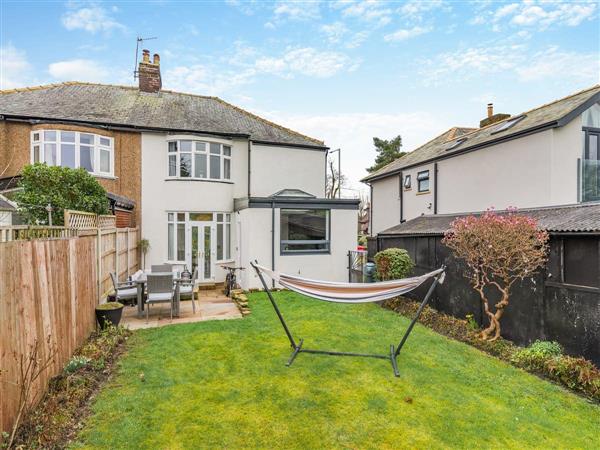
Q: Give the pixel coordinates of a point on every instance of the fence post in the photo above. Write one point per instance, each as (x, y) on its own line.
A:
(349, 266)
(128, 250)
(117, 253)
(99, 261)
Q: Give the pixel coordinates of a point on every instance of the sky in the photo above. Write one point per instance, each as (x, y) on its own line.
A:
(340, 71)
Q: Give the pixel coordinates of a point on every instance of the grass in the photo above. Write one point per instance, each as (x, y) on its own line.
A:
(224, 384)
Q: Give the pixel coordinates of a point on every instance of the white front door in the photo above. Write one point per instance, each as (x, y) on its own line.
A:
(203, 250)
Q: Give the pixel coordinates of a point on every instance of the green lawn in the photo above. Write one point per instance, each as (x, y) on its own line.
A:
(224, 384)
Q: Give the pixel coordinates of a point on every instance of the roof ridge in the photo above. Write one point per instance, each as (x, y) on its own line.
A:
(268, 122)
(596, 86)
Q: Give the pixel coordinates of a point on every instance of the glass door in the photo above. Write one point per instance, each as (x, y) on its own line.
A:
(202, 251)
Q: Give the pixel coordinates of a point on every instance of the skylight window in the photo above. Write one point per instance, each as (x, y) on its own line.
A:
(454, 144)
(508, 124)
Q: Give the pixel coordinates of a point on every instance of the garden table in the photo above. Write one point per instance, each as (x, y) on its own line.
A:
(141, 288)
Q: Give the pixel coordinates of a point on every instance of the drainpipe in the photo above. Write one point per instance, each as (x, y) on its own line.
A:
(249, 164)
(326, 156)
(435, 188)
(273, 238)
(371, 211)
(401, 197)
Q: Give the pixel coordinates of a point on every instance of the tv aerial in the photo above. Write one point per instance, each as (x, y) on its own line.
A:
(139, 40)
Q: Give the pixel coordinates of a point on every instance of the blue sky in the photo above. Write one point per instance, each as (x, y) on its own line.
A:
(341, 71)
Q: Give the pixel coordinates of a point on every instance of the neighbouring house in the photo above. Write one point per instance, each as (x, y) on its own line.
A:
(8, 211)
(209, 183)
(545, 162)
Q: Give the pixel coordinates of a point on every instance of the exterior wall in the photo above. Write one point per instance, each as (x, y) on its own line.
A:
(161, 195)
(417, 203)
(275, 168)
(256, 244)
(15, 152)
(385, 204)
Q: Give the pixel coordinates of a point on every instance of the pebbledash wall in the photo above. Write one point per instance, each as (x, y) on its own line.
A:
(535, 170)
(15, 153)
(542, 307)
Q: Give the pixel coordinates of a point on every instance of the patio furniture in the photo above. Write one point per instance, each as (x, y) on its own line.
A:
(353, 293)
(160, 268)
(160, 289)
(125, 290)
(186, 288)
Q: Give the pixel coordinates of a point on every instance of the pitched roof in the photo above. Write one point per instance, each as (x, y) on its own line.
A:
(577, 218)
(5, 205)
(554, 114)
(128, 106)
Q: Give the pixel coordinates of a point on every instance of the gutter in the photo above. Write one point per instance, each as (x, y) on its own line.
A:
(537, 129)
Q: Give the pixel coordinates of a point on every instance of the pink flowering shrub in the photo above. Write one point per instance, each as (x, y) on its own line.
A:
(498, 249)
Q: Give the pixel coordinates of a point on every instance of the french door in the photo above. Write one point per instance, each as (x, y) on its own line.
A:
(203, 250)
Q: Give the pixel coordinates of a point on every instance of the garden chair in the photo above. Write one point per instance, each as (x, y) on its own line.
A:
(161, 268)
(186, 289)
(125, 290)
(159, 290)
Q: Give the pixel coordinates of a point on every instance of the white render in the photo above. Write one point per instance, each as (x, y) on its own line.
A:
(273, 168)
(532, 171)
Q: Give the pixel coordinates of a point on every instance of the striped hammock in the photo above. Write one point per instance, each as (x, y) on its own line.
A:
(331, 291)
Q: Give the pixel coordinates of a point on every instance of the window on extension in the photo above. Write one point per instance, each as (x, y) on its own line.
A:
(423, 181)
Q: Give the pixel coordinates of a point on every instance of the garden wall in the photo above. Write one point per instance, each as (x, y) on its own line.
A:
(542, 307)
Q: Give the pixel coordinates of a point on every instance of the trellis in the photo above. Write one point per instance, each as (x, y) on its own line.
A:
(86, 220)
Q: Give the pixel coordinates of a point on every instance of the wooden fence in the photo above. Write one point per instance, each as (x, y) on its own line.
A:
(50, 283)
(48, 290)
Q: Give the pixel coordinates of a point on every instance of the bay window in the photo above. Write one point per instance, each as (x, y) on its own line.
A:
(304, 231)
(199, 160)
(74, 149)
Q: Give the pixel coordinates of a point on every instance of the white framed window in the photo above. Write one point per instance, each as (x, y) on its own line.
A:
(223, 236)
(176, 236)
(304, 231)
(74, 149)
(199, 160)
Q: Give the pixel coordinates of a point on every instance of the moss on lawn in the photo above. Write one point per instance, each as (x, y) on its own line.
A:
(224, 384)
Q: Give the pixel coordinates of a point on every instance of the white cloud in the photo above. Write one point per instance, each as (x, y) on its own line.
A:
(354, 132)
(537, 14)
(372, 11)
(205, 80)
(78, 70)
(296, 10)
(305, 61)
(334, 31)
(414, 9)
(92, 18)
(14, 67)
(553, 63)
(402, 35)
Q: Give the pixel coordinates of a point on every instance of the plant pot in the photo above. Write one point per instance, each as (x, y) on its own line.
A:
(109, 313)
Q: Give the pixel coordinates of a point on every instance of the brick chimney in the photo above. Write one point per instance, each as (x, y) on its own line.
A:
(491, 117)
(149, 73)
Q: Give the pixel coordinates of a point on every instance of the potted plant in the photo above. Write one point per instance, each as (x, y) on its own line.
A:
(109, 313)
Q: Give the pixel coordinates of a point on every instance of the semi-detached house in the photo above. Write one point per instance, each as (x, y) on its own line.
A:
(209, 183)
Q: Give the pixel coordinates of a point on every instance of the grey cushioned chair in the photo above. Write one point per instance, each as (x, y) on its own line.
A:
(160, 290)
(186, 289)
(161, 268)
(126, 290)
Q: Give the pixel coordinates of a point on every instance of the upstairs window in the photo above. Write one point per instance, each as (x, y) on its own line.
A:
(406, 181)
(92, 152)
(508, 124)
(590, 168)
(304, 231)
(199, 160)
(423, 180)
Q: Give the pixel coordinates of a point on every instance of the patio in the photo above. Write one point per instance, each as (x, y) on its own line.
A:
(210, 305)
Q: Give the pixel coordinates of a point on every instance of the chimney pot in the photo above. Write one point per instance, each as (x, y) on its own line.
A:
(146, 56)
(490, 109)
(156, 59)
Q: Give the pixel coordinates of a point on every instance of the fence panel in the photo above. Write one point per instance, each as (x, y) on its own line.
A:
(48, 292)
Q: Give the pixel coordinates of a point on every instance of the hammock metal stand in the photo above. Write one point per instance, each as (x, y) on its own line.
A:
(394, 351)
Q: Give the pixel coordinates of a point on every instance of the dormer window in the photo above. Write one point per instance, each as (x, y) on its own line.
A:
(508, 124)
(199, 160)
(74, 149)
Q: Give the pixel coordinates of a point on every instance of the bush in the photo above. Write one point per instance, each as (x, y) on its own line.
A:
(537, 354)
(393, 264)
(62, 188)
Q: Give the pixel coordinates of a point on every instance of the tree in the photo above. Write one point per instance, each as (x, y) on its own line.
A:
(61, 188)
(499, 249)
(387, 151)
(335, 181)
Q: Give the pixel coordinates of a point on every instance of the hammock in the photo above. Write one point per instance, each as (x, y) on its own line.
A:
(337, 292)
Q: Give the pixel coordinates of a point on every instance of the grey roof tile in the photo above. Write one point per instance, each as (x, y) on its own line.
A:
(125, 105)
(534, 119)
(577, 218)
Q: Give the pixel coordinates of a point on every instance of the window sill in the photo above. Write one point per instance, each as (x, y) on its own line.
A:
(200, 180)
(105, 177)
(311, 253)
(423, 192)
